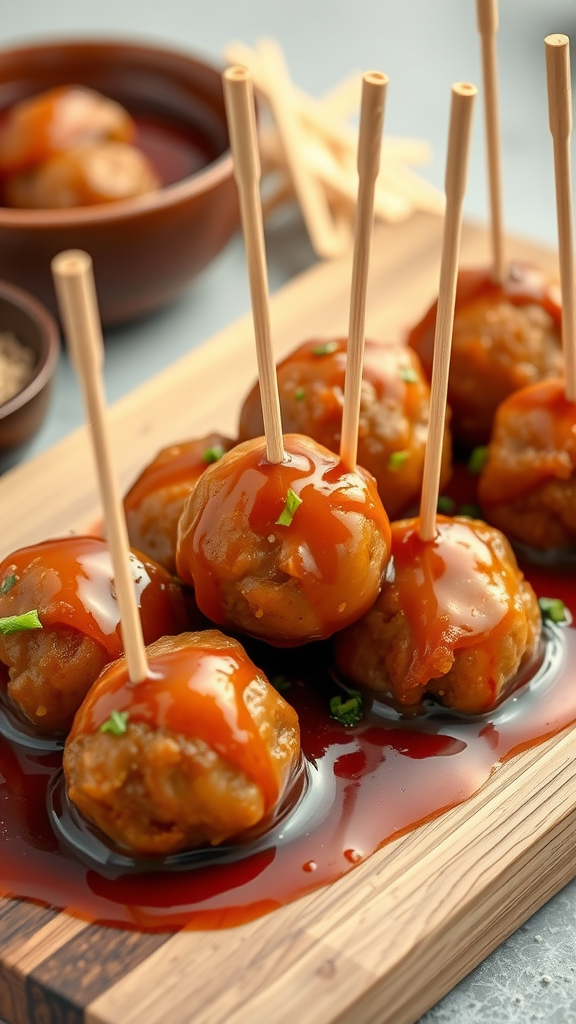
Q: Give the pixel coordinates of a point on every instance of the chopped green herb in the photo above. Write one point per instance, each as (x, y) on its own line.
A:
(409, 375)
(445, 504)
(553, 608)
(19, 623)
(292, 503)
(478, 460)
(8, 583)
(281, 683)
(299, 394)
(213, 454)
(397, 459)
(470, 511)
(116, 724)
(326, 349)
(348, 712)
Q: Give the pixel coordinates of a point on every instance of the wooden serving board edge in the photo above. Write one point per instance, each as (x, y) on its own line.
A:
(389, 939)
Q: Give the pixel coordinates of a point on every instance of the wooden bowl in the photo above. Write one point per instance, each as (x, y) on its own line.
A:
(32, 325)
(145, 250)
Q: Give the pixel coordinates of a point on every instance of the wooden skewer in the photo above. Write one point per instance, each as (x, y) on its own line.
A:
(487, 19)
(74, 283)
(329, 237)
(369, 146)
(239, 99)
(463, 96)
(560, 117)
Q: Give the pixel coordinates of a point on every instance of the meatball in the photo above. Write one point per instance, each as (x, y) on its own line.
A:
(70, 583)
(102, 172)
(56, 121)
(203, 749)
(154, 503)
(394, 412)
(505, 337)
(527, 487)
(288, 553)
(458, 620)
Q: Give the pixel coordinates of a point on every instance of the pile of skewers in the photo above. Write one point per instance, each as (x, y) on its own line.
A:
(289, 541)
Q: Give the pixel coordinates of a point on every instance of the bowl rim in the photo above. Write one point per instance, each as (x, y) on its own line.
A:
(167, 196)
(51, 345)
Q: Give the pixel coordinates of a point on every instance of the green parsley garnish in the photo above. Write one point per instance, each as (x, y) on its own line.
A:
(292, 503)
(19, 623)
(213, 454)
(116, 724)
(478, 460)
(326, 349)
(553, 608)
(281, 684)
(299, 394)
(348, 712)
(397, 459)
(470, 511)
(8, 583)
(445, 505)
(409, 375)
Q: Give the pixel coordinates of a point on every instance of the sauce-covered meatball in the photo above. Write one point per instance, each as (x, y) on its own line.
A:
(505, 337)
(56, 121)
(528, 484)
(394, 411)
(288, 553)
(458, 620)
(155, 501)
(70, 584)
(103, 172)
(200, 751)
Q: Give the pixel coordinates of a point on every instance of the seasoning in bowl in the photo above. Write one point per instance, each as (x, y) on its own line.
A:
(16, 366)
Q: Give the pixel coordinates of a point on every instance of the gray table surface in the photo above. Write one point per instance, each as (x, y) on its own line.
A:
(424, 46)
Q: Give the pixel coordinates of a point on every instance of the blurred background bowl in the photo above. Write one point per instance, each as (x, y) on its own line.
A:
(32, 325)
(145, 250)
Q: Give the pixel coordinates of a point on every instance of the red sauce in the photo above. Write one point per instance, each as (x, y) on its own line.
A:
(370, 784)
(523, 286)
(180, 464)
(70, 583)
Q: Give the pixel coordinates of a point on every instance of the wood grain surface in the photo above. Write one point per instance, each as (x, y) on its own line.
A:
(388, 940)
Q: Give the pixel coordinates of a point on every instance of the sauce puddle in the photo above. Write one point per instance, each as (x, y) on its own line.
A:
(366, 785)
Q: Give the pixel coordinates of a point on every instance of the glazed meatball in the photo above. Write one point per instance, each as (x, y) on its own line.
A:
(527, 487)
(288, 553)
(70, 584)
(394, 412)
(57, 121)
(505, 337)
(102, 172)
(154, 503)
(203, 749)
(458, 620)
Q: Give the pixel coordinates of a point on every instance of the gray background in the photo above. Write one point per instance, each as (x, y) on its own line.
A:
(424, 46)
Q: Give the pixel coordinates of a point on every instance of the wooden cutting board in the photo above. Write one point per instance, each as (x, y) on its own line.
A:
(384, 943)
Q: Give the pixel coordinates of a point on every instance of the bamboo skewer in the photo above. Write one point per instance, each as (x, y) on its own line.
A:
(329, 237)
(74, 283)
(487, 20)
(369, 147)
(560, 116)
(463, 96)
(239, 99)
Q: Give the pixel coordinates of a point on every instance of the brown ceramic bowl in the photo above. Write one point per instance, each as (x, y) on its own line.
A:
(32, 325)
(145, 250)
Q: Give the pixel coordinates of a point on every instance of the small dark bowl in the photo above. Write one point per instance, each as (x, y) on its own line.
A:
(145, 250)
(22, 416)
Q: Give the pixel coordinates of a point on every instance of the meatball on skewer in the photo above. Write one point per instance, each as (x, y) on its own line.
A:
(69, 583)
(393, 419)
(199, 752)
